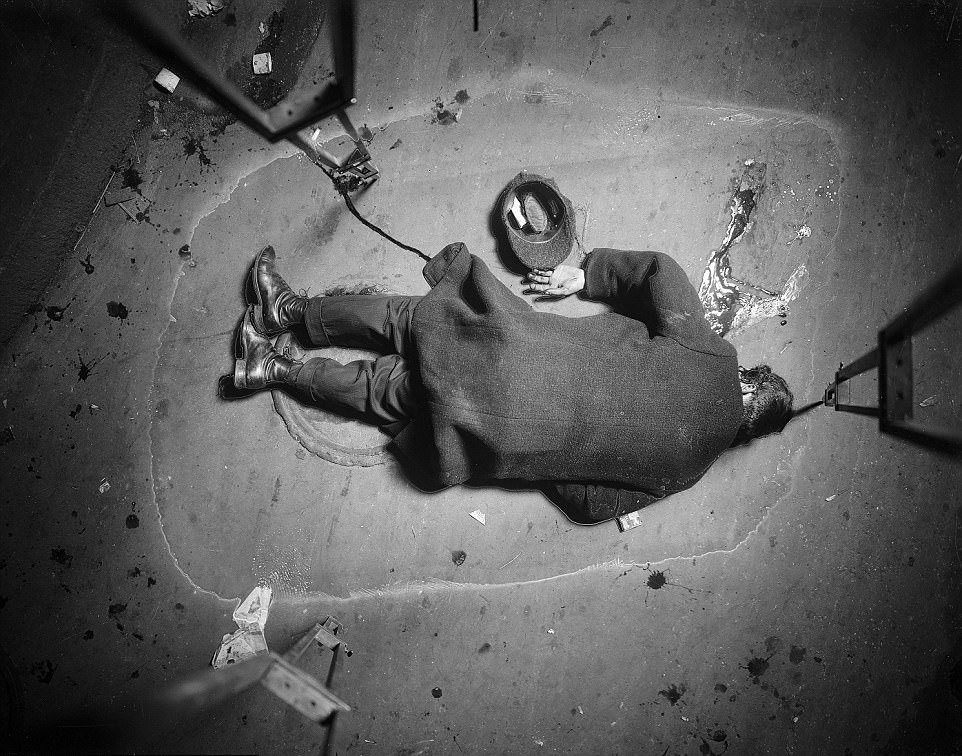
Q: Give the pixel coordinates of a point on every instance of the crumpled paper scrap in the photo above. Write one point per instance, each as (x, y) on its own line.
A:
(248, 640)
(204, 7)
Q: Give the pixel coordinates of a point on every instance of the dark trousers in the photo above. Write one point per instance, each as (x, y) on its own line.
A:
(381, 391)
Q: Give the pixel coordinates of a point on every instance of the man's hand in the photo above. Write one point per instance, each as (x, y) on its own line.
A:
(559, 282)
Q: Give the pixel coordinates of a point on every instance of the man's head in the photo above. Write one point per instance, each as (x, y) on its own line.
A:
(768, 403)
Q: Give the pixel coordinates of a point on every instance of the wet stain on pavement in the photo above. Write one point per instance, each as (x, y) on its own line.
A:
(60, 556)
(673, 693)
(85, 369)
(133, 521)
(132, 179)
(485, 647)
(43, 671)
(757, 667)
(656, 580)
(195, 146)
(796, 655)
(56, 313)
(604, 25)
(117, 310)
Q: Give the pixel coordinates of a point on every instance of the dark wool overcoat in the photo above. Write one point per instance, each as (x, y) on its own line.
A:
(607, 412)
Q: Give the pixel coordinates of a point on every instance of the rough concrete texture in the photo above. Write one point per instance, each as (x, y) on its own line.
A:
(803, 597)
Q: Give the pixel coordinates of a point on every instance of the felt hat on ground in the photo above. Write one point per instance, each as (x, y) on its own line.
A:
(538, 219)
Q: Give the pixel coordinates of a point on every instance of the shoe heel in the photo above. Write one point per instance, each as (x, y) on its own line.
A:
(240, 373)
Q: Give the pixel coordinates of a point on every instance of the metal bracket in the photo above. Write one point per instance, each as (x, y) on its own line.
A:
(288, 117)
(296, 687)
(893, 359)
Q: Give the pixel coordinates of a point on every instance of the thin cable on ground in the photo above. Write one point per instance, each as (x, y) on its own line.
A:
(350, 206)
(343, 191)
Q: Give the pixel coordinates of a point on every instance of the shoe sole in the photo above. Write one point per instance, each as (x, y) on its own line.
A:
(258, 318)
(240, 354)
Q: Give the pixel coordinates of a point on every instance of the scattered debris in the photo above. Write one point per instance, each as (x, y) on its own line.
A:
(167, 80)
(443, 115)
(478, 515)
(248, 640)
(262, 63)
(104, 486)
(550, 631)
(204, 7)
(458, 556)
(803, 233)
(629, 521)
(931, 401)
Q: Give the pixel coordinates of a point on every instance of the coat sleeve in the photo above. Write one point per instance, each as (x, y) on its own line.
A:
(590, 504)
(652, 288)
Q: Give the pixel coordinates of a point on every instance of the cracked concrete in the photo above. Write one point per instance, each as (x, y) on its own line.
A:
(803, 597)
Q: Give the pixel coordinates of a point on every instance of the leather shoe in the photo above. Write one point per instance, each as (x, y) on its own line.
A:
(277, 307)
(256, 364)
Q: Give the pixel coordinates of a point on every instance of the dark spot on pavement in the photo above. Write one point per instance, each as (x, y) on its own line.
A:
(76, 411)
(485, 647)
(719, 736)
(604, 25)
(794, 43)
(184, 251)
(132, 178)
(436, 692)
(657, 580)
(721, 687)
(88, 635)
(88, 268)
(673, 693)
(757, 667)
(796, 655)
(179, 606)
(398, 143)
(115, 610)
(195, 146)
(60, 556)
(117, 310)
(442, 115)
(151, 582)
(56, 313)
(458, 557)
(133, 521)
(43, 671)
(462, 96)
(135, 572)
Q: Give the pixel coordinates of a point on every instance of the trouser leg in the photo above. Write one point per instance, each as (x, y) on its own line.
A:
(379, 391)
(379, 323)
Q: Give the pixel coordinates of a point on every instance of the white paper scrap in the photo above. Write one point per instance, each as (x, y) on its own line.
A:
(262, 63)
(478, 515)
(239, 646)
(167, 80)
(252, 611)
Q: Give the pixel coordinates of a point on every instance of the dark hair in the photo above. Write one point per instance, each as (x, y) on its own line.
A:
(769, 410)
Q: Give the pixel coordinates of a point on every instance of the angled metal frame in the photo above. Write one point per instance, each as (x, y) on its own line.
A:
(286, 118)
(893, 358)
